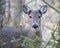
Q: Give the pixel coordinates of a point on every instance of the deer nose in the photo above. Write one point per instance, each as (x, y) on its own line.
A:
(35, 26)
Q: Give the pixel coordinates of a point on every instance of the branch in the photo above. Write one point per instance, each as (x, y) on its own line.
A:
(51, 6)
(12, 41)
(29, 2)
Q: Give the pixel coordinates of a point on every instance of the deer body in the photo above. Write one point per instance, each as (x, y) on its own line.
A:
(10, 32)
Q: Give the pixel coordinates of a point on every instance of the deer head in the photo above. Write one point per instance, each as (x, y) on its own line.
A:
(35, 15)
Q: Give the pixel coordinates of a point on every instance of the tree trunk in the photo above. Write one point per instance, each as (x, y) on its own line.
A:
(16, 10)
(7, 13)
(2, 12)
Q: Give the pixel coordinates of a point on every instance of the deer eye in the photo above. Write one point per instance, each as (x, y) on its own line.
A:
(39, 17)
(30, 16)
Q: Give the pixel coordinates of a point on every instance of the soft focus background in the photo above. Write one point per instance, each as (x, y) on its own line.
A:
(50, 22)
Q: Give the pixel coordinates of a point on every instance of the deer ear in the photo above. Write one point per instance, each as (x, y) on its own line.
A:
(43, 9)
(26, 9)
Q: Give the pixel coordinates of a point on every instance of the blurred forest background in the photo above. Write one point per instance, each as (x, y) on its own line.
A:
(11, 14)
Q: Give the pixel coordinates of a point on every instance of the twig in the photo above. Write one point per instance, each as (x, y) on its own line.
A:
(27, 38)
(50, 28)
(47, 44)
(51, 6)
(29, 2)
(11, 41)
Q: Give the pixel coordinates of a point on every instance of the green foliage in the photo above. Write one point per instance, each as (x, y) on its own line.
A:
(28, 43)
(38, 42)
(58, 45)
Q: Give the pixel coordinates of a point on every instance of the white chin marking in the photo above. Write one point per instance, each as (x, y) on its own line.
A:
(34, 30)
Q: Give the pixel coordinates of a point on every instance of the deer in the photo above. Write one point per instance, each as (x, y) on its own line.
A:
(34, 21)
